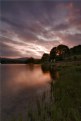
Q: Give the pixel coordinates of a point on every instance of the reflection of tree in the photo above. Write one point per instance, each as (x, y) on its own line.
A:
(45, 68)
(54, 74)
(30, 66)
(52, 70)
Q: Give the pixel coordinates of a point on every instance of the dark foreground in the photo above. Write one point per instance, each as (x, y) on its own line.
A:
(65, 99)
(64, 103)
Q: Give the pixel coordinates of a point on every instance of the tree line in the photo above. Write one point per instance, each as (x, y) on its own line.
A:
(61, 52)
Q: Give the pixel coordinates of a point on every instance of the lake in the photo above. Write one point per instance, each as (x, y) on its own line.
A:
(21, 85)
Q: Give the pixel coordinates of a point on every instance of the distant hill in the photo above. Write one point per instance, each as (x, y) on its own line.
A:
(15, 60)
(19, 60)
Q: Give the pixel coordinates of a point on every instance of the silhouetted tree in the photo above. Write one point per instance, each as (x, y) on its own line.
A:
(45, 57)
(53, 53)
(75, 50)
(62, 51)
(30, 60)
(59, 52)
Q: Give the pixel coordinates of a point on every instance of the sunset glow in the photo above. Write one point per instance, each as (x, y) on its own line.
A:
(35, 27)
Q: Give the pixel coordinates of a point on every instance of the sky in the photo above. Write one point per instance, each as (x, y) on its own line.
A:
(31, 28)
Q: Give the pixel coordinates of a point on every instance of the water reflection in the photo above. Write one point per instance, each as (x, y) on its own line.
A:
(52, 71)
(18, 77)
(15, 78)
(20, 84)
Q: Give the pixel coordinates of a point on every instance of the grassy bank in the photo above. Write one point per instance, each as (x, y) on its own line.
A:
(65, 99)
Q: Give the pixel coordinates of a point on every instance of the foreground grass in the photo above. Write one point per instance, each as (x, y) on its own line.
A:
(65, 99)
(67, 94)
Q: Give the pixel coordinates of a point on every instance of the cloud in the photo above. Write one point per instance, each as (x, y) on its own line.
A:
(23, 48)
(31, 28)
(7, 51)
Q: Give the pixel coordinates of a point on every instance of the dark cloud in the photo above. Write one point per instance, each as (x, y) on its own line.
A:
(12, 23)
(61, 27)
(75, 38)
(7, 51)
(30, 28)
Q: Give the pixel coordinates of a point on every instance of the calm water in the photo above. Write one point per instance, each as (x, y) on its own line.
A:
(20, 86)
